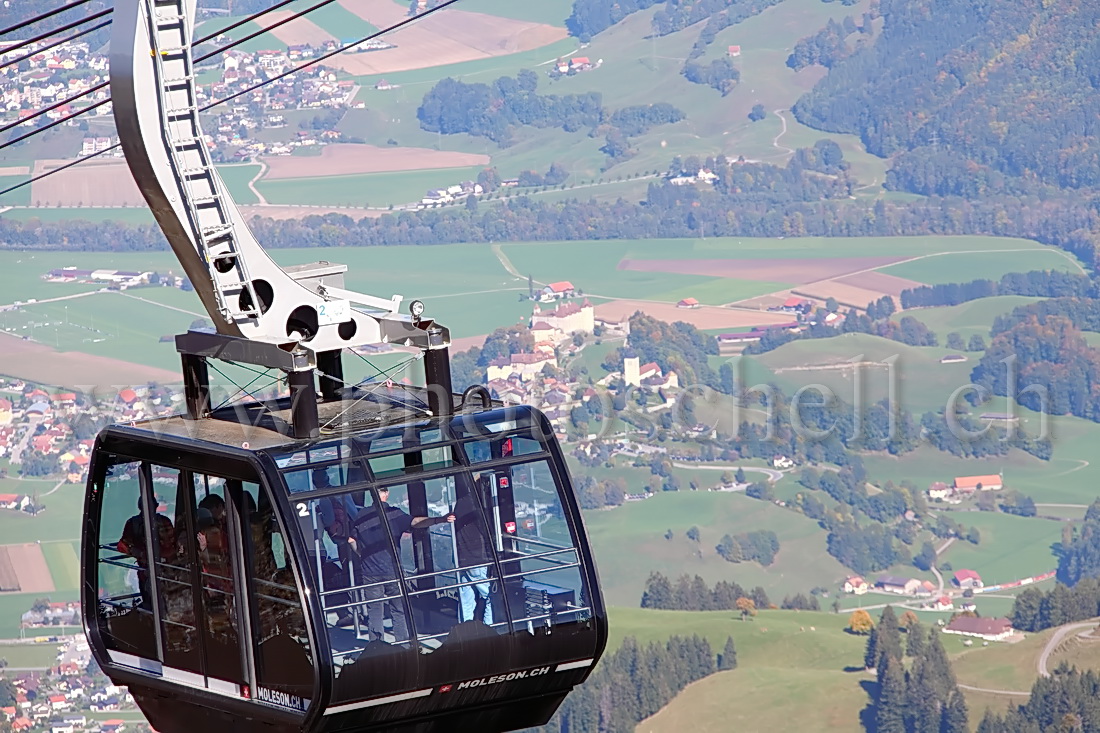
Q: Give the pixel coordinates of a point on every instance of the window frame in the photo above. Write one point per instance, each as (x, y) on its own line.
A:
(120, 444)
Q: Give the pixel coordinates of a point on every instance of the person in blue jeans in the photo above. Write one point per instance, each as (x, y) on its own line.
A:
(475, 555)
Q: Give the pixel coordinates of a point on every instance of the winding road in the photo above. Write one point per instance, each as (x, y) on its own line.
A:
(1055, 640)
(771, 473)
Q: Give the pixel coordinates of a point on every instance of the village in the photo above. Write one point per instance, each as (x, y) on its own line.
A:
(72, 695)
(55, 76)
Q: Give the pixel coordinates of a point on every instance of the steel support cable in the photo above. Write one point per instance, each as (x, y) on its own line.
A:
(47, 47)
(43, 16)
(55, 31)
(311, 62)
(332, 53)
(38, 113)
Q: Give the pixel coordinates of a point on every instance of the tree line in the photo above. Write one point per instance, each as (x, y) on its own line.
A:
(1064, 701)
(1036, 283)
(634, 682)
(758, 201)
(693, 594)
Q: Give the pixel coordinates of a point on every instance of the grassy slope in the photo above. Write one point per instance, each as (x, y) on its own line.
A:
(367, 189)
(779, 659)
(923, 383)
(1011, 547)
(629, 543)
(955, 267)
(967, 319)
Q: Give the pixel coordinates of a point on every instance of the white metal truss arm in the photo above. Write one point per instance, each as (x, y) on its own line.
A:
(245, 292)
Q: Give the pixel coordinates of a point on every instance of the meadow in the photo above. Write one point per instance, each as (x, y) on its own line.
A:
(923, 383)
(1011, 547)
(960, 266)
(29, 655)
(629, 543)
(967, 319)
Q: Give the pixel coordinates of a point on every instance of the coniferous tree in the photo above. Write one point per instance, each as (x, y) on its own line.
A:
(890, 706)
(915, 640)
(870, 655)
(728, 658)
(955, 715)
(889, 637)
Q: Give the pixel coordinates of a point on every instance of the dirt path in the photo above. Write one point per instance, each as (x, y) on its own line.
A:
(775, 140)
(165, 305)
(252, 184)
(993, 692)
(507, 263)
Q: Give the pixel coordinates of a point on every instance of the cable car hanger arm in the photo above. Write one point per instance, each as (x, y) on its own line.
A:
(246, 294)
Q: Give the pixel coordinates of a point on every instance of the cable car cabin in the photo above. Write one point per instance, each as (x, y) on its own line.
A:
(418, 574)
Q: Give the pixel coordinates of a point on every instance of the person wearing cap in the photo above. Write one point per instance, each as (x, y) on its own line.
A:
(378, 564)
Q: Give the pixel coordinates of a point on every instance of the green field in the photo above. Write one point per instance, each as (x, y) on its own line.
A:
(41, 656)
(781, 655)
(18, 197)
(1011, 547)
(367, 189)
(962, 266)
(629, 543)
(967, 319)
(551, 12)
(127, 215)
(924, 384)
(236, 179)
(64, 563)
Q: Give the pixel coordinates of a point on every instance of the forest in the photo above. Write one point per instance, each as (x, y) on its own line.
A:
(493, 110)
(1064, 701)
(998, 100)
(635, 681)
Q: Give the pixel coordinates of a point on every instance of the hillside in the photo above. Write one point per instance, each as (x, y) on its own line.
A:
(974, 98)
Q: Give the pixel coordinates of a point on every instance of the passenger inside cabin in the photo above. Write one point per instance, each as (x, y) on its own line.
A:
(133, 543)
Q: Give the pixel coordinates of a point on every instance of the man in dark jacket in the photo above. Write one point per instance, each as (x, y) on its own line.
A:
(379, 564)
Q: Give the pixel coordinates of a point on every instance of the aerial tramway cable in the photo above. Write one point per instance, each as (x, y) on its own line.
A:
(43, 16)
(207, 107)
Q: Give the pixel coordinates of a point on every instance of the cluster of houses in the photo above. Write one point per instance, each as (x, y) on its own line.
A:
(962, 580)
(59, 699)
(48, 77)
(523, 378)
(574, 65)
(963, 487)
(800, 308)
(54, 613)
(449, 195)
(36, 422)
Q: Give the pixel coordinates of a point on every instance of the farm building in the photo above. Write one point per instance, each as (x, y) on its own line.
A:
(943, 603)
(967, 579)
(734, 51)
(990, 482)
(939, 490)
(688, 303)
(1000, 417)
(894, 584)
(952, 359)
(990, 629)
(563, 289)
(856, 585)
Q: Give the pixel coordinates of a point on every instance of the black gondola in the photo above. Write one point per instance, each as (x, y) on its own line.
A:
(237, 575)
